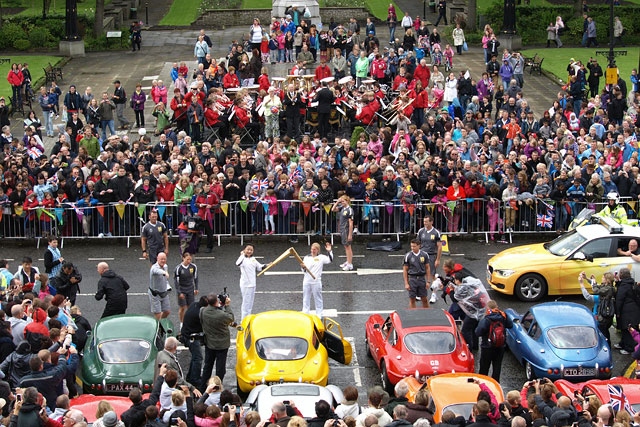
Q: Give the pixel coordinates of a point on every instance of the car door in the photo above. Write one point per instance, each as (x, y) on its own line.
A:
(338, 348)
(599, 257)
(517, 332)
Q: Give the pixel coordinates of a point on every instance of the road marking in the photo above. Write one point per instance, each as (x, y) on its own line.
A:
(396, 255)
(100, 259)
(373, 271)
(146, 88)
(492, 254)
(150, 77)
(357, 291)
(456, 254)
(288, 273)
(205, 257)
(367, 312)
(355, 256)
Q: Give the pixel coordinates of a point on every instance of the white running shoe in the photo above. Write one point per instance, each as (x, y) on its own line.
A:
(347, 267)
(344, 264)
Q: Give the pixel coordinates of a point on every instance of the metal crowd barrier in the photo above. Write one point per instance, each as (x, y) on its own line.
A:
(489, 217)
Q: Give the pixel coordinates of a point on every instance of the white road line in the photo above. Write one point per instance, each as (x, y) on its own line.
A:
(355, 256)
(374, 271)
(357, 291)
(492, 254)
(288, 273)
(205, 257)
(366, 312)
(396, 255)
(150, 77)
(146, 88)
(356, 377)
(456, 255)
(100, 259)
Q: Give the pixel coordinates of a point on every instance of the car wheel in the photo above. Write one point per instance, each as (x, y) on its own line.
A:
(386, 383)
(530, 287)
(243, 395)
(368, 349)
(529, 372)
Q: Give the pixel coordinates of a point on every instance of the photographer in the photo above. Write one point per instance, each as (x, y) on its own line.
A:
(216, 320)
(193, 337)
(67, 281)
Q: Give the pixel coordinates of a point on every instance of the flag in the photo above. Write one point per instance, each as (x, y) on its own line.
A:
(120, 210)
(306, 206)
(59, 212)
(224, 207)
(243, 205)
(141, 208)
(260, 184)
(100, 210)
(161, 210)
(285, 206)
(544, 221)
(327, 209)
(295, 177)
(451, 205)
(618, 399)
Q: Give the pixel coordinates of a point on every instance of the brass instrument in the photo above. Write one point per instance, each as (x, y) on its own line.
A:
(308, 81)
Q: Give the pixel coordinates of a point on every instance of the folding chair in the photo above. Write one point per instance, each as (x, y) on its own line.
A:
(211, 133)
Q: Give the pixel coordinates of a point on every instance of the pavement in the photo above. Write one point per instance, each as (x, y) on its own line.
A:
(160, 48)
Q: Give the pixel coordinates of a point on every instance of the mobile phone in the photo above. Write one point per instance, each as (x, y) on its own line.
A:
(18, 397)
(159, 365)
(286, 402)
(470, 380)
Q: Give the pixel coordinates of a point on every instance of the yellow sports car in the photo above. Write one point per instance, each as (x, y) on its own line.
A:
(532, 271)
(288, 346)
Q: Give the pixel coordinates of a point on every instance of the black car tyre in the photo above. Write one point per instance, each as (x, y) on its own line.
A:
(368, 349)
(531, 287)
(386, 383)
(529, 372)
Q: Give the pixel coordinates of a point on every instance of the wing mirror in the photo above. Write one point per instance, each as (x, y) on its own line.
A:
(376, 326)
(580, 256)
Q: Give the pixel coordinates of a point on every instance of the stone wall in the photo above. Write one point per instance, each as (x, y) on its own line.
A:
(220, 19)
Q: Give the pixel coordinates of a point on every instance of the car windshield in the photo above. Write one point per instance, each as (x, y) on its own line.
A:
(566, 244)
(430, 342)
(124, 351)
(294, 390)
(460, 409)
(282, 348)
(572, 337)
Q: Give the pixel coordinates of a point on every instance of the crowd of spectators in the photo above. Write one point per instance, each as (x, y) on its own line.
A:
(486, 162)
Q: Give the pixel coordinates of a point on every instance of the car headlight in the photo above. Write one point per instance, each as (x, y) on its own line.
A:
(504, 273)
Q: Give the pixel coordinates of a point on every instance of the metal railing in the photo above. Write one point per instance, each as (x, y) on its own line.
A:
(295, 218)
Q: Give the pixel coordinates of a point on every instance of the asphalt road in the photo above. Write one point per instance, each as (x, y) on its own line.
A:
(376, 286)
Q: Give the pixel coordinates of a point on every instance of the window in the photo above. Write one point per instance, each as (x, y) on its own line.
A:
(247, 337)
(282, 348)
(430, 342)
(600, 248)
(572, 337)
(124, 351)
(526, 321)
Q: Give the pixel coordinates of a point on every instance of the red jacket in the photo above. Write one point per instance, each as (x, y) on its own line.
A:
(164, 193)
(423, 74)
(15, 79)
(421, 99)
(211, 116)
(242, 117)
(206, 199)
(263, 81)
(378, 67)
(368, 113)
(322, 72)
(230, 80)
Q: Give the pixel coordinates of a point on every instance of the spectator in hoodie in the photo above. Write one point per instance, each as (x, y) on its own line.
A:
(349, 406)
(375, 409)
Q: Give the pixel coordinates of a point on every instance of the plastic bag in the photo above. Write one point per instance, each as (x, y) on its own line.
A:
(472, 297)
(465, 47)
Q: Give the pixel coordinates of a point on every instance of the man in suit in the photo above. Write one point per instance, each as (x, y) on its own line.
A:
(169, 358)
(292, 103)
(325, 98)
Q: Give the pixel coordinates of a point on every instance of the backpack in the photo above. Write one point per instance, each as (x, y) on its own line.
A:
(496, 336)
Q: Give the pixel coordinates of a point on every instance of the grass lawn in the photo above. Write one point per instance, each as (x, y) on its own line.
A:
(378, 8)
(36, 64)
(556, 60)
(182, 13)
(34, 7)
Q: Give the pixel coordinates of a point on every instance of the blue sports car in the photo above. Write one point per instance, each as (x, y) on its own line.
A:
(559, 340)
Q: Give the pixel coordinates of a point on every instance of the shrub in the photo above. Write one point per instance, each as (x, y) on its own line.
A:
(9, 33)
(356, 135)
(40, 37)
(21, 44)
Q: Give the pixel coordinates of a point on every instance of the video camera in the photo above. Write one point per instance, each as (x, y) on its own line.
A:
(222, 298)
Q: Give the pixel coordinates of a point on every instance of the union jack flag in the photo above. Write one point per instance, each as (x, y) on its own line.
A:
(295, 177)
(618, 399)
(260, 184)
(311, 194)
(544, 221)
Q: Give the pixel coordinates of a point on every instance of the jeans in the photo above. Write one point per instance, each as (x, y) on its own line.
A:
(48, 122)
(211, 357)
(392, 34)
(17, 96)
(195, 366)
(104, 124)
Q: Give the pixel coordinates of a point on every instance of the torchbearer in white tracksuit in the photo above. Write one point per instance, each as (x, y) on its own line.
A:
(249, 265)
(314, 264)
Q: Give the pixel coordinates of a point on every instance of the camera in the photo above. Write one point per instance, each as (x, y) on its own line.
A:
(222, 298)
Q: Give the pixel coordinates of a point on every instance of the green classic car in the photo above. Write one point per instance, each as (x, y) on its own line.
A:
(120, 354)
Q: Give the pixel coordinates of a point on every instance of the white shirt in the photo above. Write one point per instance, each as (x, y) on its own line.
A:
(315, 265)
(248, 268)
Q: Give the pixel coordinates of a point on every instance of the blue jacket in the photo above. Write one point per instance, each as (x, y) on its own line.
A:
(482, 330)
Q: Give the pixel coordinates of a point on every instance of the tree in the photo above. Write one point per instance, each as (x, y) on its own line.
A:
(46, 5)
(98, 26)
(471, 16)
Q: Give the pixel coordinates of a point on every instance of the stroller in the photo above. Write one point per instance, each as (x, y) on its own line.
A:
(437, 95)
(436, 55)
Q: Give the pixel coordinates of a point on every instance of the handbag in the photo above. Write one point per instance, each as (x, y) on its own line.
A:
(465, 47)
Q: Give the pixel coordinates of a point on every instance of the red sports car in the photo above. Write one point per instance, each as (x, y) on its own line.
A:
(425, 342)
(618, 391)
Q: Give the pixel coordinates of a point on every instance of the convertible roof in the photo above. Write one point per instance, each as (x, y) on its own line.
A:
(423, 317)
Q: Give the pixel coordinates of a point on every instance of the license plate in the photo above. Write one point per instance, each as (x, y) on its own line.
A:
(120, 387)
(579, 372)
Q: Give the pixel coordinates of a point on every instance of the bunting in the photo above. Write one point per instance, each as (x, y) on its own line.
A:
(243, 205)
(389, 207)
(19, 210)
(451, 205)
(100, 210)
(285, 206)
(411, 208)
(1, 215)
(194, 208)
(59, 215)
(430, 208)
(161, 210)
(306, 207)
(327, 209)
(224, 207)
(632, 204)
(120, 210)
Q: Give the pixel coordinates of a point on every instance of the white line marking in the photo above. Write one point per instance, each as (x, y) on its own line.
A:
(373, 271)
(150, 77)
(355, 256)
(331, 312)
(396, 255)
(358, 291)
(146, 88)
(492, 254)
(100, 259)
(288, 273)
(356, 377)
(205, 257)
(366, 312)
(456, 254)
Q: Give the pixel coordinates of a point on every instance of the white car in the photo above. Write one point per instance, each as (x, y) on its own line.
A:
(303, 395)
